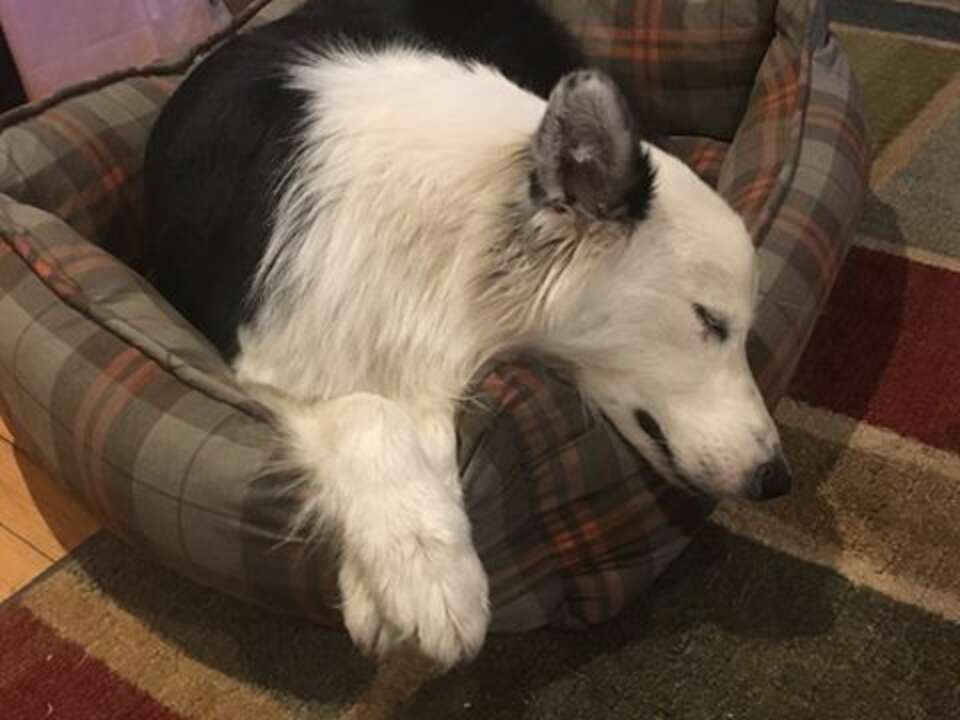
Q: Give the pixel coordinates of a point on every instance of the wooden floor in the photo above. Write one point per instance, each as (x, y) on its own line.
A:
(39, 521)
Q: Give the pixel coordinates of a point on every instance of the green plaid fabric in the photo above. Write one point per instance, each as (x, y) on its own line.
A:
(692, 64)
(109, 388)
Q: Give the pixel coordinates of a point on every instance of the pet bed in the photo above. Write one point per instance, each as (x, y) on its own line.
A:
(114, 393)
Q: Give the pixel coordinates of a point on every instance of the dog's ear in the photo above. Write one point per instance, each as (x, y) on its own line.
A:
(586, 150)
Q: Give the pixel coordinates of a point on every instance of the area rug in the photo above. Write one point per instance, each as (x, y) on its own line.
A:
(841, 601)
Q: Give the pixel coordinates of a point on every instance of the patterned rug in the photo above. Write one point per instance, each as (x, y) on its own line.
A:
(843, 601)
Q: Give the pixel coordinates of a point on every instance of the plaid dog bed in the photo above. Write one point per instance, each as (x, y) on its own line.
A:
(125, 403)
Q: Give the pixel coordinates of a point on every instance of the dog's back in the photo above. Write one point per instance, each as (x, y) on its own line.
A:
(222, 148)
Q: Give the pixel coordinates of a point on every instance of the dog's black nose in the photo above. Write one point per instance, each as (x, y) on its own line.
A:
(770, 480)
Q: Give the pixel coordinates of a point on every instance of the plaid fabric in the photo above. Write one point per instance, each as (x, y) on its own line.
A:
(797, 171)
(114, 392)
(81, 159)
(692, 64)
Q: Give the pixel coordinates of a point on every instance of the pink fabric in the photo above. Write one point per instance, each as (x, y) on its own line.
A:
(60, 42)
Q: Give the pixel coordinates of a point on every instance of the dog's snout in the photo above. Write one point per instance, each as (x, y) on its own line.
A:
(770, 479)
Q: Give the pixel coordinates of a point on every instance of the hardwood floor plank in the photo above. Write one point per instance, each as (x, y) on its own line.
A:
(19, 563)
(5, 433)
(38, 509)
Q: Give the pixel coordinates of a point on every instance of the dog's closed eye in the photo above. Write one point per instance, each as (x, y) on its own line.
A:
(714, 326)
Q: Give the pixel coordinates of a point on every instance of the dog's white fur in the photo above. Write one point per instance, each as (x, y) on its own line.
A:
(381, 296)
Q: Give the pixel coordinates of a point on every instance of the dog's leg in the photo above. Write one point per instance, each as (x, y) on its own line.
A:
(386, 479)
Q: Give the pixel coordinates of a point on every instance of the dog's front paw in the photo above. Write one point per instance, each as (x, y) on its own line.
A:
(424, 585)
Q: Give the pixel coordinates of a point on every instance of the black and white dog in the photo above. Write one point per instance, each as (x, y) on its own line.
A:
(362, 203)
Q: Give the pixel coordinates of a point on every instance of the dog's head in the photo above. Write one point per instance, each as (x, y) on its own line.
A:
(658, 295)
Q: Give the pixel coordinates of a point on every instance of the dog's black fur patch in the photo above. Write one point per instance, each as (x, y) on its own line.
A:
(640, 196)
(536, 189)
(219, 150)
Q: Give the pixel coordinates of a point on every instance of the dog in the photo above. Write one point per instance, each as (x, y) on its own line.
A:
(362, 203)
